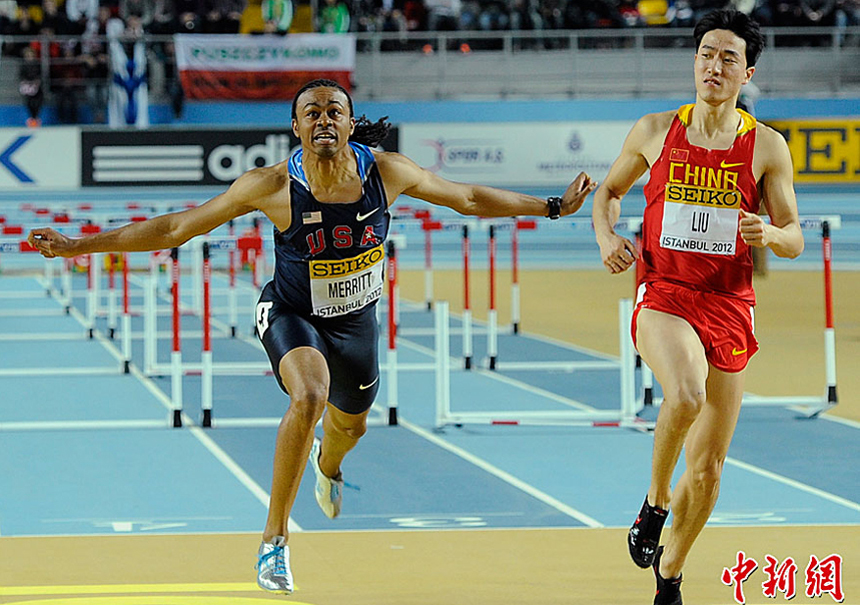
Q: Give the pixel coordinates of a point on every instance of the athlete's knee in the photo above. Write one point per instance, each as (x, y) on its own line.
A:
(351, 427)
(686, 399)
(308, 401)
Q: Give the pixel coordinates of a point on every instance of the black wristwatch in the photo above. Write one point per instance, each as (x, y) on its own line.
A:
(553, 207)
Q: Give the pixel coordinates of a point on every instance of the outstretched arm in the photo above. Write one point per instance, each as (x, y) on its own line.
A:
(618, 253)
(160, 232)
(783, 234)
(402, 175)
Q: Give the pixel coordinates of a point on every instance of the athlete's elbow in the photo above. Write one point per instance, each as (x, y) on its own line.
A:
(791, 251)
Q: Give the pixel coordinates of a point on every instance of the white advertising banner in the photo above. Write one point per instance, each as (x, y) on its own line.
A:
(508, 154)
(48, 158)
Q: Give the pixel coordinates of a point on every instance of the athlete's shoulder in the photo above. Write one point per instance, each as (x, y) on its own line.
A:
(261, 182)
(654, 123)
(771, 146)
(649, 132)
(394, 166)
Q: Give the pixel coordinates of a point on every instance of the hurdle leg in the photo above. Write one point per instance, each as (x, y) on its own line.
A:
(126, 318)
(206, 354)
(176, 355)
(428, 269)
(391, 376)
(111, 294)
(67, 285)
(93, 298)
(492, 319)
(443, 365)
(829, 332)
(515, 278)
(49, 277)
(150, 319)
(467, 309)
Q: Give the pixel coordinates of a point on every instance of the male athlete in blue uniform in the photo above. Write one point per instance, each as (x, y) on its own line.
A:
(329, 204)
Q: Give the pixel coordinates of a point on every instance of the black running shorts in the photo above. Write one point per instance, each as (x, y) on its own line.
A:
(350, 344)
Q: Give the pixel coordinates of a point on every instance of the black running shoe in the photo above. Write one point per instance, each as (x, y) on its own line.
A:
(668, 591)
(644, 537)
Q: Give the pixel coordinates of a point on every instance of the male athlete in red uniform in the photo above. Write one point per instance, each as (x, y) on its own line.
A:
(711, 166)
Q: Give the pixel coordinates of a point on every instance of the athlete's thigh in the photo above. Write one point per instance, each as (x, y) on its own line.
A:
(295, 347)
(353, 346)
(712, 431)
(672, 349)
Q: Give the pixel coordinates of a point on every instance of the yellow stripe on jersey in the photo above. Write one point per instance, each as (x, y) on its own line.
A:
(747, 122)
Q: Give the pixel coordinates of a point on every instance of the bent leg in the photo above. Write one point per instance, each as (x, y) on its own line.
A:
(341, 432)
(675, 354)
(705, 452)
(305, 375)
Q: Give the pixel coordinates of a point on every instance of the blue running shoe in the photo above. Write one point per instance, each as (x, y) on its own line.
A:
(273, 567)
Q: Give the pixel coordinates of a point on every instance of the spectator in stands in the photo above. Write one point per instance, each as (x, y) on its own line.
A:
(847, 15)
(56, 21)
(494, 16)
(703, 7)
(67, 80)
(278, 16)
(188, 12)
(443, 15)
(81, 12)
(163, 18)
(30, 86)
(393, 21)
(222, 16)
(415, 14)
(334, 17)
(94, 61)
(142, 9)
(8, 17)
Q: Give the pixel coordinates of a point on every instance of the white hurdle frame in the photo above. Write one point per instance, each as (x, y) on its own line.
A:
(625, 416)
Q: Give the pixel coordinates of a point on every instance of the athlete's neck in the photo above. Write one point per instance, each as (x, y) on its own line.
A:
(331, 178)
(714, 122)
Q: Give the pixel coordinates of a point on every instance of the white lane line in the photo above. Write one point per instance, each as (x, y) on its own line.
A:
(503, 475)
(838, 419)
(795, 484)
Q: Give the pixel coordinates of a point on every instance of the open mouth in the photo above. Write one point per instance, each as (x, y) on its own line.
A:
(325, 137)
(712, 82)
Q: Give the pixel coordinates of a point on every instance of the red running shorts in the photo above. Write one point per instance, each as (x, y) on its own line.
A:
(725, 325)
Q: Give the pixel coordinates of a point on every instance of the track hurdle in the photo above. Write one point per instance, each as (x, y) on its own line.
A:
(624, 416)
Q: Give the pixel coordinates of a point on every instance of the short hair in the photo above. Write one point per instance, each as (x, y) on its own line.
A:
(365, 132)
(740, 24)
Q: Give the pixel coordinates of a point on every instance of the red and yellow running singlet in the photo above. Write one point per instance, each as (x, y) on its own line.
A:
(690, 231)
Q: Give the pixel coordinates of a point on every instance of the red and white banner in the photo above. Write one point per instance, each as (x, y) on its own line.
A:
(222, 66)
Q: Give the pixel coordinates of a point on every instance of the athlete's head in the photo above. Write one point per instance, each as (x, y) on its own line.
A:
(323, 109)
(740, 24)
(728, 43)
